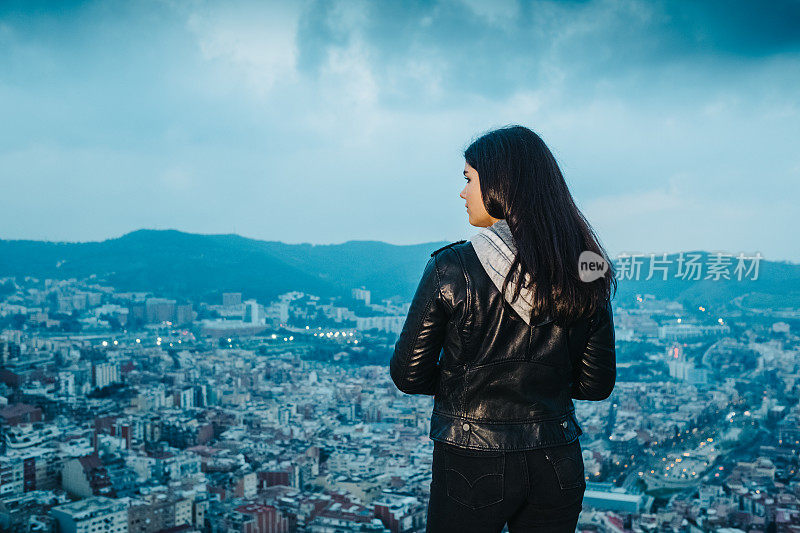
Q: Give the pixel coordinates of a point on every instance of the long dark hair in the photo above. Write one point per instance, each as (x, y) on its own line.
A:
(520, 182)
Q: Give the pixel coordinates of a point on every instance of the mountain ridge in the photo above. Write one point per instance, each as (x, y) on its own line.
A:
(196, 266)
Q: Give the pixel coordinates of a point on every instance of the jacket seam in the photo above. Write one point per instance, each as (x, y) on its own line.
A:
(462, 338)
(439, 284)
(466, 337)
(516, 422)
(544, 444)
(415, 336)
(518, 360)
(467, 286)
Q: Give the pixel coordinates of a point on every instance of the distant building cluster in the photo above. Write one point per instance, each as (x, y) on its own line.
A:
(124, 411)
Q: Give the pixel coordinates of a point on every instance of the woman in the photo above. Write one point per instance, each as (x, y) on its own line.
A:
(504, 333)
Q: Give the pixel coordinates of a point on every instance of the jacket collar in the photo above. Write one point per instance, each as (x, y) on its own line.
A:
(496, 249)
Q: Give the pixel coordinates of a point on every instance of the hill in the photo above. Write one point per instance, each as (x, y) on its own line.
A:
(201, 267)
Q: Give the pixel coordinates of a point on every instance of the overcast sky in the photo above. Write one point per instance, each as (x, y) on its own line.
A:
(676, 124)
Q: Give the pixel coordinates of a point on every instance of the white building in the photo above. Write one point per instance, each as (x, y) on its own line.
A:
(361, 294)
(252, 312)
(393, 324)
(104, 374)
(689, 331)
(66, 383)
(96, 514)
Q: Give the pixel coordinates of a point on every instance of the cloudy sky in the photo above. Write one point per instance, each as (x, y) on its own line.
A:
(676, 124)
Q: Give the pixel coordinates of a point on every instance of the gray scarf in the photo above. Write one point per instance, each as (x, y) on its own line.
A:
(495, 248)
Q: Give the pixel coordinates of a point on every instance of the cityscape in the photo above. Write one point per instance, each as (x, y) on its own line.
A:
(134, 411)
(215, 217)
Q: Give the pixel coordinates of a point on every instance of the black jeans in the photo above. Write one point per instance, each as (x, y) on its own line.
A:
(481, 490)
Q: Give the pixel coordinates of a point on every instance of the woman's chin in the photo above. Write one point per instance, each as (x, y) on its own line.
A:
(477, 223)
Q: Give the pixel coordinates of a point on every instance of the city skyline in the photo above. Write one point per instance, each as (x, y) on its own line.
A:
(145, 413)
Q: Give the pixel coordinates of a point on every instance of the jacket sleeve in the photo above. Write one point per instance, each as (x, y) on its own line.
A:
(595, 371)
(414, 366)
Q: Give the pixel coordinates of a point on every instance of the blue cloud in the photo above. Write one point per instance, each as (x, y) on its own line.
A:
(329, 121)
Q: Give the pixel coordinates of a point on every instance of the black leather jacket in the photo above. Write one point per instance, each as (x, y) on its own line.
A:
(497, 382)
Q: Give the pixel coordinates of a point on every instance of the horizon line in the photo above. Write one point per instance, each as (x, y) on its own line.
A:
(46, 240)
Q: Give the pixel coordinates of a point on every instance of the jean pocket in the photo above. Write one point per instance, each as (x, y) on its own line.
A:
(474, 478)
(567, 461)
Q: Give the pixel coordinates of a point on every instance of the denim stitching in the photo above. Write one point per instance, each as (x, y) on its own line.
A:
(501, 474)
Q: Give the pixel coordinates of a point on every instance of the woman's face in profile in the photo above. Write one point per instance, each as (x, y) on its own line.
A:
(478, 216)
